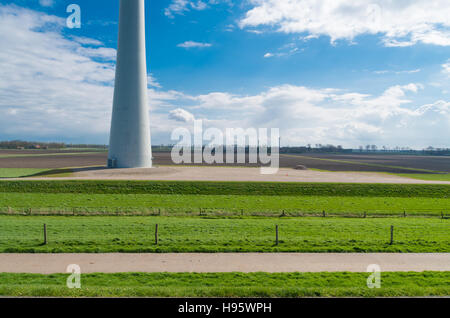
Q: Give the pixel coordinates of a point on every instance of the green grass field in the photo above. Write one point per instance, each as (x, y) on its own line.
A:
(228, 188)
(179, 204)
(19, 172)
(393, 284)
(195, 234)
(428, 177)
(223, 198)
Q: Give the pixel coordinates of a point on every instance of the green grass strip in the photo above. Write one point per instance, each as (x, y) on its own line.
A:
(107, 234)
(427, 177)
(218, 205)
(227, 188)
(339, 284)
(20, 172)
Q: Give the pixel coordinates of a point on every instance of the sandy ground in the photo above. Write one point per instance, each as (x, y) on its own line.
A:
(232, 262)
(238, 174)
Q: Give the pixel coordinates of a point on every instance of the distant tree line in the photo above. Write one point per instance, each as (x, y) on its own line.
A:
(405, 150)
(317, 148)
(20, 144)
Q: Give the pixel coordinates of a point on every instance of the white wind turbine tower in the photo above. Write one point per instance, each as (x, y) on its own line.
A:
(130, 144)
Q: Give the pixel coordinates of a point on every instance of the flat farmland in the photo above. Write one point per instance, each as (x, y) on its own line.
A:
(397, 164)
(434, 163)
(52, 160)
(17, 152)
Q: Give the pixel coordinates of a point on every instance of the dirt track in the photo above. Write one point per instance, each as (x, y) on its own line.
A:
(233, 262)
(239, 174)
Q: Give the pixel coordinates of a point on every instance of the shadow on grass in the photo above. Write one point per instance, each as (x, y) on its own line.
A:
(63, 172)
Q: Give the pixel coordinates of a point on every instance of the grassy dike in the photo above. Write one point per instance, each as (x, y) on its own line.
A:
(235, 198)
(228, 188)
(393, 284)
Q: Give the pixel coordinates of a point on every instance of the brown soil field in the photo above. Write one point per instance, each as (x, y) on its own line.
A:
(41, 151)
(293, 160)
(55, 162)
(435, 163)
(312, 161)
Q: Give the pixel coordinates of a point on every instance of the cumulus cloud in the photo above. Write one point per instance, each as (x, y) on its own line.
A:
(305, 115)
(193, 44)
(400, 23)
(181, 115)
(53, 87)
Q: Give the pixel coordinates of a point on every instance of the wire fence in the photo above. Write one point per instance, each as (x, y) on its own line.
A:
(213, 212)
(210, 234)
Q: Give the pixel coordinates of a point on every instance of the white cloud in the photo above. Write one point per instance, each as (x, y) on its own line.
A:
(400, 23)
(305, 115)
(55, 87)
(87, 41)
(192, 44)
(152, 81)
(286, 50)
(181, 6)
(446, 67)
(47, 3)
(398, 72)
(181, 115)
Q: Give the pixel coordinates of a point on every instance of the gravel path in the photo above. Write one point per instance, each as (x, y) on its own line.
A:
(239, 174)
(233, 262)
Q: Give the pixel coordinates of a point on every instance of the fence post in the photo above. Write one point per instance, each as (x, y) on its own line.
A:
(392, 234)
(45, 234)
(156, 234)
(276, 234)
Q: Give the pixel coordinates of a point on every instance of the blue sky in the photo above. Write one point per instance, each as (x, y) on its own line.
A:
(322, 71)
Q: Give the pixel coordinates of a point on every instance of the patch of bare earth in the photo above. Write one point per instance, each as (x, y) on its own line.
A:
(182, 173)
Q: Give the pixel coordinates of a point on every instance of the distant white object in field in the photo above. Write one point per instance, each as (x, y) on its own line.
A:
(130, 143)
